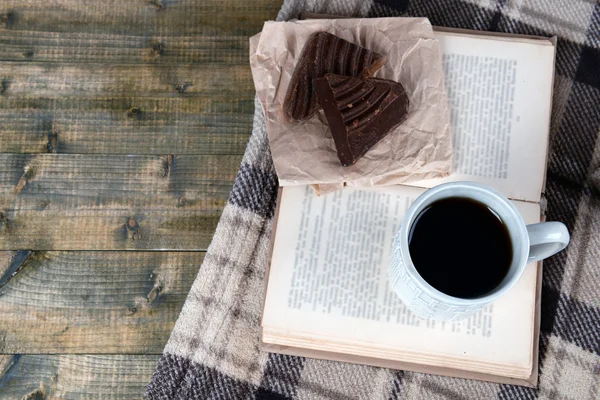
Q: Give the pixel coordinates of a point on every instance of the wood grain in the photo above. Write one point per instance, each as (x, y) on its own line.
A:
(87, 108)
(138, 31)
(186, 71)
(136, 229)
(66, 181)
(145, 107)
(100, 202)
(50, 377)
(206, 17)
(93, 302)
(82, 81)
(122, 48)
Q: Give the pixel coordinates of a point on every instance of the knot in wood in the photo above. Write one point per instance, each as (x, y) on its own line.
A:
(157, 49)
(167, 165)
(8, 19)
(135, 113)
(154, 293)
(182, 87)
(3, 220)
(52, 141)
(132, 225)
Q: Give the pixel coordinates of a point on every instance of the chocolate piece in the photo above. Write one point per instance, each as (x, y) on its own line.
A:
(360, 112)
(324, 53)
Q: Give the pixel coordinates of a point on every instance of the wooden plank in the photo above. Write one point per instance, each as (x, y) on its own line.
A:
(170, 118)
(139, 16)
(111, 48)
(50, 377)
(55, 182)
(92, 302)
(110, 131)
(82, 81)
(157, 31)
(87, 108)
(107, 230)
(98, 202)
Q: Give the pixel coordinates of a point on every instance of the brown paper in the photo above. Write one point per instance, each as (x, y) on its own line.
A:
(420, 148)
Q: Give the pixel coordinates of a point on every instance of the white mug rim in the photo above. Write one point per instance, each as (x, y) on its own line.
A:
(519, 264)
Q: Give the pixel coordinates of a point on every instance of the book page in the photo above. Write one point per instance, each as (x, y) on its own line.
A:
(328, 280)
(500, 95)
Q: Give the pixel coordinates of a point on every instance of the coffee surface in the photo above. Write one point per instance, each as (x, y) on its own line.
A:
(460, 247)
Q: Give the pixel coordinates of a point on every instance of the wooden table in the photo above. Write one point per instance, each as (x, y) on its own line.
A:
(122, 125)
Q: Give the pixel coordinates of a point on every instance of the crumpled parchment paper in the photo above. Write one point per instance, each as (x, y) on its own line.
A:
(420, 148)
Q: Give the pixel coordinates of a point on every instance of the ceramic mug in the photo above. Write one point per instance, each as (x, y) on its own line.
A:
(530, 243)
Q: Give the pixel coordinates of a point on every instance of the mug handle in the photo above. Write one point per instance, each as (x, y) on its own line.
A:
(546, 239)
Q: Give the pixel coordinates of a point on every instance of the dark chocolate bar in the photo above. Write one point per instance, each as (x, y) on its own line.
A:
(324, 53)
(360, 112)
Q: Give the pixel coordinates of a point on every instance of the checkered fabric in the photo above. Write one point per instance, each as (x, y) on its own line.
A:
(213, 353)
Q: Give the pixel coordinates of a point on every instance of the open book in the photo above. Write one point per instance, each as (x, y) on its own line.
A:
(328, 294)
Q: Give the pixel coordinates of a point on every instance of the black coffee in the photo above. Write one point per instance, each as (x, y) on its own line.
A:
(460, 247)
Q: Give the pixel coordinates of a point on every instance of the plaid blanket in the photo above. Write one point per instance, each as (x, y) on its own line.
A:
(213, 353)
